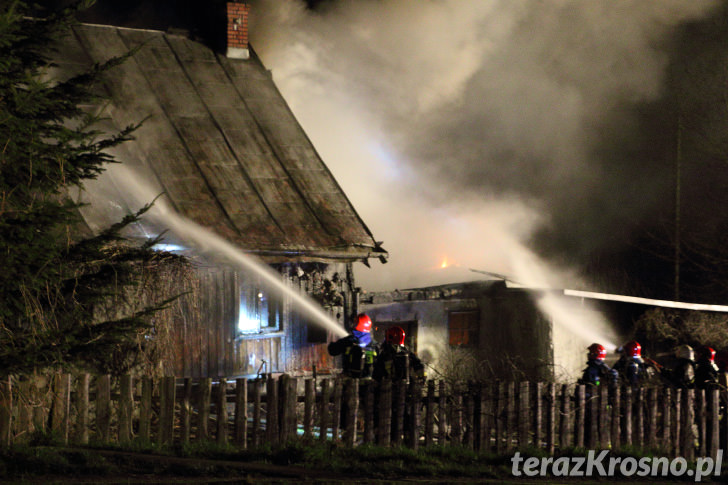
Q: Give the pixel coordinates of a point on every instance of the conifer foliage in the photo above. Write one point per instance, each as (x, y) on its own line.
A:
(52, 283)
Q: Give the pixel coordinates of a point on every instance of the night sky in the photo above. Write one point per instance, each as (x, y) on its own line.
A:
(537, 139)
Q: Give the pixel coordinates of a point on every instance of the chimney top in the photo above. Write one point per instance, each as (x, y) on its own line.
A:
(237, 30)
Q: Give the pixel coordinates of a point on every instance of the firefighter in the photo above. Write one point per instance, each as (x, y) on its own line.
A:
(706, 371)
(633, 368)
(683, 373)
(597, 372)
(358, 349)
(395, 361)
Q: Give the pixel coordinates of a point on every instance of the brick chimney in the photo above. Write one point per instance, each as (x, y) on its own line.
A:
(237, 30)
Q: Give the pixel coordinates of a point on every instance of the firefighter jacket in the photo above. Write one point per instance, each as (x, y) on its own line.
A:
(358, 354)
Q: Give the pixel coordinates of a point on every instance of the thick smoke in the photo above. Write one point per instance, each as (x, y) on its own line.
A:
(458, 129)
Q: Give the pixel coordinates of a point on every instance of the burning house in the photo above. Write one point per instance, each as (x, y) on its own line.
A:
(493, 329)
(235, 169)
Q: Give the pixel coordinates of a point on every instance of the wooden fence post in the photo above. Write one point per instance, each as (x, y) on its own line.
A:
(384, 428)
(627, 419)
(592, 414)
(145, 409)
(430, 413)
(580, 421)
(481, 415)
(221, 434)
(511, 417)
(126, 408)
(566, 420)
(284, 411)
(468, 415)
(241, 412)
(271, 414)
(524, 403)
(489, 409)
(204, 392)
(550, 418)
(399, 391)
(651, 418)
(336, 412)
(24, 411)
(61, 405)
(369, 424)
(501, 417)
(688, 422)
(677, 423)
(103, 408)
(441, 414)
(616, 419)
(291, 404)
(714, 423)
(538, 421)
(666, 399)
(352, 410)
(167, 400)
(256, 431)
(324, 412)
(82, 409)
(309, 403)
(186, 411)
(701, 420)
(6, 411)
(604, 442)
(413, 422)
(456, 417)
(639, 415)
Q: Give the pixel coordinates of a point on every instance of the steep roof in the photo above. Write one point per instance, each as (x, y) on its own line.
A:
(221, 142)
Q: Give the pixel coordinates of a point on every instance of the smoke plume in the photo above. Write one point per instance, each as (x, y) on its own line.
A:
(460, 129)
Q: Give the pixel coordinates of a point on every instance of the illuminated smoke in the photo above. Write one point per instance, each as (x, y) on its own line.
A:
(462, 120)
(460, 129)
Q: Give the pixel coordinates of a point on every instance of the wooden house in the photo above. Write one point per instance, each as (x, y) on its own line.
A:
(221, 143)
(491, 329)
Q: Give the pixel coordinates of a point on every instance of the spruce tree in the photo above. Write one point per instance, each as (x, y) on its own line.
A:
(52, 283)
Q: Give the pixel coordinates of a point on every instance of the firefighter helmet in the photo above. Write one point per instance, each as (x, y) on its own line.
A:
(363, 323)
(685, 352)
(395, 335)
(597, 351)
(633, 349)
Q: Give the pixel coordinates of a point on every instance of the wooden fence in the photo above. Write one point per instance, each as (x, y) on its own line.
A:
(496, 417)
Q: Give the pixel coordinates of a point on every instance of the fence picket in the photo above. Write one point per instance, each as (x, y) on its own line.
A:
(82, 412)
(241, 412)
(126, 408)
(497, 417)
(430, 413)
(186, 411)
(309, 402)
(145, 409)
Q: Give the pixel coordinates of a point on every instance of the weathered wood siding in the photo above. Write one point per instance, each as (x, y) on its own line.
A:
(207, 342)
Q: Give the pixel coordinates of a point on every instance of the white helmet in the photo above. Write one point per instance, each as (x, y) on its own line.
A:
(685, 352)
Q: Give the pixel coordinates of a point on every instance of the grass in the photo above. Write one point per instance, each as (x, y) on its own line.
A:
(46, 457)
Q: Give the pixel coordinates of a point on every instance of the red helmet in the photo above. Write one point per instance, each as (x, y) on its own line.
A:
(395, 335)
(633, 349)
(363, 323)
(597, 351)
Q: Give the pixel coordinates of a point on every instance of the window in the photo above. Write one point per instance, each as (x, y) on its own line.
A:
(463, 329)
(260, 312)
